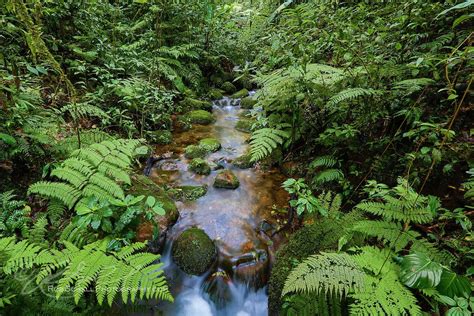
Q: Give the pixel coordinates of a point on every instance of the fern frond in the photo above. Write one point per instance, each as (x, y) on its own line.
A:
(61, 191)
(264, 141)
(350, 94)
(323, 161)
(328, 175)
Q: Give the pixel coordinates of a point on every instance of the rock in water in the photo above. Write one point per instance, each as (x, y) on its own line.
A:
(210, 144)
(194, 252)
(226, 179)
(199, 166)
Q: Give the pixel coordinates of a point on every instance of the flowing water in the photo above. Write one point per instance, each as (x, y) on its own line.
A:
(232, 218)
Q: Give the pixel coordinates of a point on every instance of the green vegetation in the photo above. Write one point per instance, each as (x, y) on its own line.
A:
(194, 252)
(366, 106)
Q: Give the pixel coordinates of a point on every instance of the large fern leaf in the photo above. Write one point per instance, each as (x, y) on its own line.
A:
(264, 141)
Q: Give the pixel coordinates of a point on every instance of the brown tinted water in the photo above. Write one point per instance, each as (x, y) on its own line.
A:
(231, 218)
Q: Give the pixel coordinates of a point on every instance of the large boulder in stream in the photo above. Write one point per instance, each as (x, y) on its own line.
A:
(195, 151)
(199, 166)
(192, 104)
(241, 94)
(194, 252)
(200, 117)
(244, 161)
(216, 94)
(248, 103)
(244, 125)
(210, 144)
(226, 179)
(228, 87)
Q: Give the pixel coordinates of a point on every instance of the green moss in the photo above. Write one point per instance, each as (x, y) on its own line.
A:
(228, 87)
(194, 252)
(226, 179)
(216, 94)
(200, 117)
(161, 137)
(189, 104)
(248, 103)
(241, 94)
(244, 125)
(320, 236)
(210, 144)
(195, 151)
(188, 192)
(142, 185)
(199, 166)
(244, 161)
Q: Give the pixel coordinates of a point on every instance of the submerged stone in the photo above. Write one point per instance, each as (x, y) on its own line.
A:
(240, 94)
(195, 151)
(217, 286)
(200, 117)
(188, 192)
(228, 87)
(194, 252)
(210, 144)
(248, 103)
(226, 179)
(252, 268)
(199, 166)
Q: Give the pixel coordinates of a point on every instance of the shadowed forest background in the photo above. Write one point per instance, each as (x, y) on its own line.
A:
(236, 157)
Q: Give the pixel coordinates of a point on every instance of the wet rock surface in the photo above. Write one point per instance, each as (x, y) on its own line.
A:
(226, 179)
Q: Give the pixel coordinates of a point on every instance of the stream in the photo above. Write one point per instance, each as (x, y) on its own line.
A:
(233, 219)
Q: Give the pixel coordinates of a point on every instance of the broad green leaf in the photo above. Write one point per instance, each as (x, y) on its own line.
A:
(419, 271)
(453, 285)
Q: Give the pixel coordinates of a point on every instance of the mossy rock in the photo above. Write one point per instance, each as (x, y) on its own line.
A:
(217, 80)
(161, 137)
(248, 103)
(188, 192)
(216, 94)
(195, 151)
(228, 87)
(210, 144)
(200, 117)
(142, 185)
(309, 240)
(194, 252)
(244, 161)
(241, 94)
(199, 166)
(189, 104)
(244, 125)
(226, 179)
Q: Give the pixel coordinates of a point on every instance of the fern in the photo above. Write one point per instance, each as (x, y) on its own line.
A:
(91, 171)
(264, 141)
(350, 94)
(328, 175)
(367, 277)
(38, 231)
(323, 161)
(133, 274)
(14, 215)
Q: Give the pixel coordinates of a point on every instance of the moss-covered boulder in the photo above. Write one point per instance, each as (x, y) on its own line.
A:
(244, 125)
(226, 179)
(228, 87)
(216, 94)
(200, 117)
(320, 236)
(195, 151)
(194, 252)
(244, 161)
(210, 144)
(248, 103)
(199, 166)
(189, 104)
(161, 137)
(241, 94)
(188, 192)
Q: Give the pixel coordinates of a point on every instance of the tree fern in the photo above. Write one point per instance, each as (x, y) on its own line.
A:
(350, 94)
(96, 170)
(264, 141)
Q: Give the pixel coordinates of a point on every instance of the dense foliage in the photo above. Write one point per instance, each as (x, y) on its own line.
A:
(366, 106)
